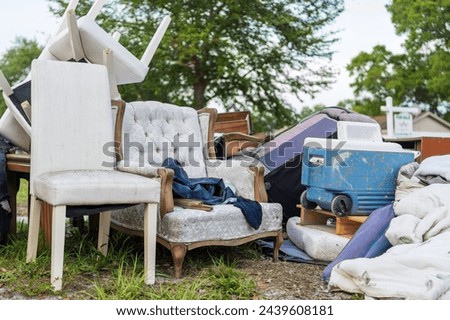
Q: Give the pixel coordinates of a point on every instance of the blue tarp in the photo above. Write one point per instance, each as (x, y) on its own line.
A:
(369, 241)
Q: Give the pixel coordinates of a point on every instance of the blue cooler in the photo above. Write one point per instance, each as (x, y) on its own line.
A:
(350, 177)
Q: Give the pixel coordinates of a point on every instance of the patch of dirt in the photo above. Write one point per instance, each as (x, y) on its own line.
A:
(289, 280)
(22, 209)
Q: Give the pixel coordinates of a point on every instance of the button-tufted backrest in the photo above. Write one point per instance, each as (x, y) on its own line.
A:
(153, 131)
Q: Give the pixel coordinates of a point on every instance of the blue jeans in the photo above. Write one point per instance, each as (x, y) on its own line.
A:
(5, 209)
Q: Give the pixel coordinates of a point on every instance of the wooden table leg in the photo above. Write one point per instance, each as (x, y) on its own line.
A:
(46, 222)
(13, 183)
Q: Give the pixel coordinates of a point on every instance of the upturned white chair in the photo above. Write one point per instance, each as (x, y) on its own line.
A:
(85, 39)
(72, 124)
(15, 124)
(149, 132)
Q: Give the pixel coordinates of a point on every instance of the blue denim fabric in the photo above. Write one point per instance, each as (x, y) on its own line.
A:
(5, 211)
(211, 191)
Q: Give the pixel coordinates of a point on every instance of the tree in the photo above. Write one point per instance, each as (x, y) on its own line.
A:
(242, 55)
(421, 75)
(16, 62)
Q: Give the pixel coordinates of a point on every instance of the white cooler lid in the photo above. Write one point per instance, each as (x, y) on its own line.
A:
(334, 144)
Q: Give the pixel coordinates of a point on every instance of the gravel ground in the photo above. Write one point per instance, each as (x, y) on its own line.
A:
(290, 281)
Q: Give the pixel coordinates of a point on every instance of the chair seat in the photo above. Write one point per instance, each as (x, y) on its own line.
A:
(224, 222)
(95, 187)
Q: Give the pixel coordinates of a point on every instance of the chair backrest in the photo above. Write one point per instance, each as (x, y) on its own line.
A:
(12, 124)
(153, 131)
(72, 121)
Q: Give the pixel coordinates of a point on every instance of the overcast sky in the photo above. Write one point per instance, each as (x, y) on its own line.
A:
(363, 24)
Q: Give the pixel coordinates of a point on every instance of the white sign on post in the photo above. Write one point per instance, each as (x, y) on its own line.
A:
(403, 124)
(390, 109)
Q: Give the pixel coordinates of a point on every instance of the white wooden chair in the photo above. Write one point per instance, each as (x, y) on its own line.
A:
(72, 124)
(85, 39)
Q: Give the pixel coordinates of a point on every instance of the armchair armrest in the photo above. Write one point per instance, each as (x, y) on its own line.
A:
(135, 168)
(246, 177)
(165, 175)
(259, 137)
(234, 142)
(166, 202)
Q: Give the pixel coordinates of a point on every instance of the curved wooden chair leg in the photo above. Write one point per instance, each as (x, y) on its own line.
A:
(178, 253)
(278, 242)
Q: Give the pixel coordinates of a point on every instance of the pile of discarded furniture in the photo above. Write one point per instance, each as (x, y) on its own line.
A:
(91, 153)
(187, 179)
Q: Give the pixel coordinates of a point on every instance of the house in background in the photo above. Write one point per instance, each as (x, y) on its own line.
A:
(425, 124)
(430, 136)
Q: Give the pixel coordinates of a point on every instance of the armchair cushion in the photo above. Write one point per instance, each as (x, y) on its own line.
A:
(237, 172)
(95, 187)
(224, 222)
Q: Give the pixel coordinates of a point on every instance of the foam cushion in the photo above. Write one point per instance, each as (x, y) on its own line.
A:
(316, 242)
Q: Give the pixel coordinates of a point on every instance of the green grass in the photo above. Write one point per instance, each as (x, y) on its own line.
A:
(22, 195)
(211, 273)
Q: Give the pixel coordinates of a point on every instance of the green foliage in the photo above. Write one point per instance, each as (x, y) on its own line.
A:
(307, 111)
(243, 55)
(422, 74)
(16, 62)
(22, 195)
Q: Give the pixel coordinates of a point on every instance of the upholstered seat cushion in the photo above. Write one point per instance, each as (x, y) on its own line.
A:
(95, 187)
(224, 222)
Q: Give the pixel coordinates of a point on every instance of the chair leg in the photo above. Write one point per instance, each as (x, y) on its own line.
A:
(150, 222)
(278, 242)
(178, 251)
(33, 228)
(74, 36)
(58, 238)
(103, 232)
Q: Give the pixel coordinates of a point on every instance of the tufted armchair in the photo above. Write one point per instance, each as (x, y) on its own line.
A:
(148, 133)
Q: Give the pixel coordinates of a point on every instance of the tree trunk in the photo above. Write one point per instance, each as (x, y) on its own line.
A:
(200, 84)
(199, 95)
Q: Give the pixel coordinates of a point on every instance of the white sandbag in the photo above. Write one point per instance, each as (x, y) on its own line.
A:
(434, 169)
(424, 200)
(406, 181)
(411, 271)
(402, 229)
(318, 244)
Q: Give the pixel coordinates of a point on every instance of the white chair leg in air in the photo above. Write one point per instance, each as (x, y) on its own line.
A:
(154, 43)
(74, 35)
(4, 84)
(108, 61)
(95, 9)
